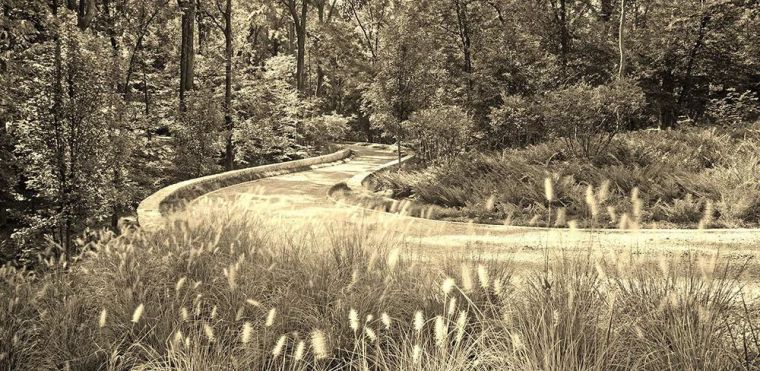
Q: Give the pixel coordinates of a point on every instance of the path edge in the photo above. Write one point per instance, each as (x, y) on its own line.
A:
(152, 211)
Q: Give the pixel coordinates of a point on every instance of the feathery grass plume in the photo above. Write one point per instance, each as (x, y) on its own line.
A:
(561, 218)
(497, 287)
(708, 215)
(300, 350)
(319, 344)
(452, 305)
(184, 313)
(180, 284)
(353, 320)
(232, 276)
(483, 278)
(508, 220)
(548, 189)
(534, 220)
(419, 321)
(393, 258)
(636, 202)
(245, 332)
(461, 325)
(177, 338)
(270, 317)
(369, 318)
(490, 203)
(416, 353)
(103, 317)
(370, 334)
(467, 282)
(138, 313)
(612, 214)
(572, 225)
(209, 332)
(604, 191)
(253, 302)
(448, 285)
(441, 331)
(623, 223)
(517, 343)
(277, 350)
(386, 320)
(591, 202)
(214, 312)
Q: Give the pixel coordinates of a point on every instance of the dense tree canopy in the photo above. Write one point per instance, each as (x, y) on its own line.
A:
(100, 97)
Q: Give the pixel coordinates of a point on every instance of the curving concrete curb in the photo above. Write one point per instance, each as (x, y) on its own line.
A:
(152, 211)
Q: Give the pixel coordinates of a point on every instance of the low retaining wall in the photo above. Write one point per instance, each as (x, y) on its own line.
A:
(152, 211)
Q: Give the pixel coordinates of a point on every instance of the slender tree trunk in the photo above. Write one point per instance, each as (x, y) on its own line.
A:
(687, 85)
(464, 35)
(621, 27)
(301, 62)
(62, 222)
(564, 37)
(229, 151)
(187, 50)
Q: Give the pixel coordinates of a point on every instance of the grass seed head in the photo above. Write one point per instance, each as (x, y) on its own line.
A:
(461, 325)
(467, 282)
(103, 318)
(483, 277)
(319, 344)
(370, 333)
(452, 305)
(245, 332)
(417, 353)
(441, 331)
(448, 285)
(548, 189)
(270, 317)
(386, 320)
(299, 352)
(419, 321)
(277, 350)
(138, 313)
(353, 320)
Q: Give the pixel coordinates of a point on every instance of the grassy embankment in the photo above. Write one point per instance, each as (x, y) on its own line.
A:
(227, 290)
(681, 179)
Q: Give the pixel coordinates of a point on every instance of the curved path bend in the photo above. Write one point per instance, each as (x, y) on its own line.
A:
(301, 197)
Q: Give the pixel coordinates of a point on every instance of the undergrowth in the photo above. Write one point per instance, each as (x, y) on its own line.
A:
(235, 292)
(680, 176)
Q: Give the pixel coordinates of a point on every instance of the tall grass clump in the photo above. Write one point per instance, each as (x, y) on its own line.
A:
(678, 173)
(236, 292)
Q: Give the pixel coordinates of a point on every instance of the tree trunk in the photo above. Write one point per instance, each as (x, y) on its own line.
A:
(564, 37)
(621, 71)
(229, 152)
(187, 50)
(464, 35)
(59, 146)
(301, 35)
(687, 85)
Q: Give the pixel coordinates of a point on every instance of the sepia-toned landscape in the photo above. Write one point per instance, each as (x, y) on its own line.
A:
(379, 185)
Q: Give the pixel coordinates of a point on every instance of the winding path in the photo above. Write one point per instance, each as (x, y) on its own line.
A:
(301, 198)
